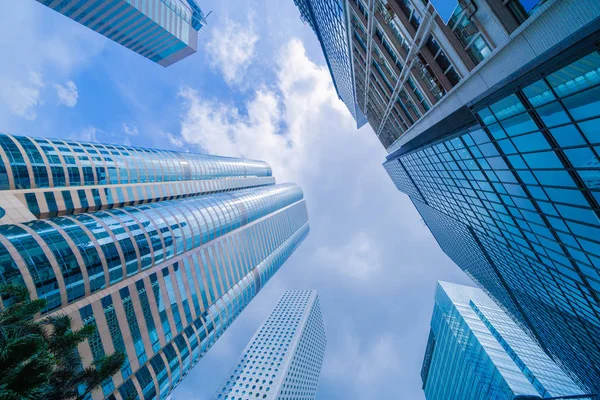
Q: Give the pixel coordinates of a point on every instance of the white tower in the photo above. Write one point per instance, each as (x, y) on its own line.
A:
(283, 359)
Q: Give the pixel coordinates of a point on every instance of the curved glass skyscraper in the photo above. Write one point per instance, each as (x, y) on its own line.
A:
(159, 250)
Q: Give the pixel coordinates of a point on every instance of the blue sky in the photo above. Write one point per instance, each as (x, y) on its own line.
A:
(259, 88)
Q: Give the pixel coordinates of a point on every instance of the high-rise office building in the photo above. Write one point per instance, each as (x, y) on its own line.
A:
(164, 31)
(158, 250)
(476, 351)
(283, 359)
(491, 124)
(508, 185)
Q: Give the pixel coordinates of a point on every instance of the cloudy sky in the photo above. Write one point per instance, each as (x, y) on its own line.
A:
(259, 88)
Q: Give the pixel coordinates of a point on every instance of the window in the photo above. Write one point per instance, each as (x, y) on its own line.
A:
(469, 35)
(442, 60)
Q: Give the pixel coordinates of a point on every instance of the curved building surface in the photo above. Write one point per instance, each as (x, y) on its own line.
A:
(159, 250)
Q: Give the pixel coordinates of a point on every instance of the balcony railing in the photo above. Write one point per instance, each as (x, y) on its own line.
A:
(387, 14)
(386, 11)
(432, 83)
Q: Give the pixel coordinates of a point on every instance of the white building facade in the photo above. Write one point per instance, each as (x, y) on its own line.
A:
(284, 357)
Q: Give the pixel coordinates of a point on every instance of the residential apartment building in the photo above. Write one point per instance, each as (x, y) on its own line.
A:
(163, 31)
(158, 250)
(284, 357)
(393, 60)
(476, 351)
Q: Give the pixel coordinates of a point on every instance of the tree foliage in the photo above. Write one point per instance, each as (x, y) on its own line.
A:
(39, 357)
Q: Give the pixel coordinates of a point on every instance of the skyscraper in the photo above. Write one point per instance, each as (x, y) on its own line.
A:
(164, 31)
(476, 351)
(159, 250)
(491, 124)
(284, 357)
(511, 195)
(328, 21)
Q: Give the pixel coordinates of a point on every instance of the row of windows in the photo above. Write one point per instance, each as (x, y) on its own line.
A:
(330, 21)
(406, 109)
(52, 203)
(460, 244)
(153, 28)
(28, 162)
(118, 243)
(541, 371)
(461, 341)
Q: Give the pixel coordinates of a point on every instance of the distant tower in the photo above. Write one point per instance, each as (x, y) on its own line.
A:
(477, 352)
(162, 31)
(283, 359)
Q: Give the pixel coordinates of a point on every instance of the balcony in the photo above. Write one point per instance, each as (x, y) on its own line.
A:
(386, 86)
(385, 14)
(359, 12)
(385, 10)
(389, 133)
(404, 13)
(428, 79)
(383, 66)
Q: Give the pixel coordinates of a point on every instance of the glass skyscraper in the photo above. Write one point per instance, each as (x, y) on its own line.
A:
(164, 31)
(512, 196)
(283, 359)
(476, 351)
(159, 250)
(328, 20)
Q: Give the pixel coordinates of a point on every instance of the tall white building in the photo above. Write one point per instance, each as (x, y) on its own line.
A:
(283, 359)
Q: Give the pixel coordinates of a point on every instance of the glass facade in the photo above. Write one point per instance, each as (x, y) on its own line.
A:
(164, 31)
(160, 277)
(284, 357)
(476, 351)
(328, 21)
(522, 185)
(60, 177)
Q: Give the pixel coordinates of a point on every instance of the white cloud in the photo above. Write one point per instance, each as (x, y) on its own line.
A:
(363, 362)
(281, 124)
(35, 78)
(232, 47)
(88, 134)
(22, 97)
(360, 258)
(45, 46)
(130, 130)
(67, 93)
(176, 141)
